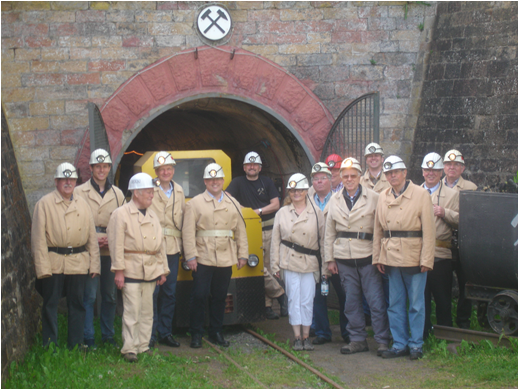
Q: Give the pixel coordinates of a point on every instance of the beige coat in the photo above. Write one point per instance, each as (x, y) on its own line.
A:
(163, 207)
(102, 207)
(204, 212)
(359, 219)
(56, 225)
(447, 198)
(382, 183)
(311, 195)
(130, 230)
(463, 184)
(300, 230)
(411, 211)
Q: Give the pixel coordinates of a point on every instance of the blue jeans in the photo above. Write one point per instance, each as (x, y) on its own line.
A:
(164, 301)
(108, 301)
(320, 319)
(405, 286)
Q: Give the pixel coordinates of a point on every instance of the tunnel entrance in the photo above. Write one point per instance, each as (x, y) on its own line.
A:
(229, 124)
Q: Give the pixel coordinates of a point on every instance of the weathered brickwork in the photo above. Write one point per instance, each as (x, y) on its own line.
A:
(57, 56)
(470, 94)
(20, 303)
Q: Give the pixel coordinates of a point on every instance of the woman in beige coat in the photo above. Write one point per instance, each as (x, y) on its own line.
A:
(297, 229)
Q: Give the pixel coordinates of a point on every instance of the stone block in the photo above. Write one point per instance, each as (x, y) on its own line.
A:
(51, 107)
(131, 29)
(39, 41)
(314, 60)
(405, 35)
(299, 49)
(366, 72)
(290, 95)
(65, 122)
(325, 92)
(315, 25)
(66, 29)
(389, 46)
(262, 50)
(166, 5)
(29, 124)
(85, 78)
(409, 46)
(249, 5)
(107, 41)
(335, 73)
(30, 5)
(24, 138)
(101, 91)
(116, 78)
(47, 138)
(32, 168)
(283, 60)
(96, 28)
(63, 153)
(8, 43)
(57, 54)
(382, 23)
(305, 14)
(26, 54)
(9, 68)
(286, 38)
(135, 41)
(17, 109)
(351, 25)
(319, 37)
(170, 41)
(49, 17)
(153, 16)
(170, 29)
(75, 41)
(100, 5)
(306, 74)
(18, 94)
(452, 71)
(68, 5)
(118, 53)
(120, 16)
(263, 15)
(158, 80)
(28, 154)
(73, 66)
(103, 66)
(43, 79)
(346, 37)
(340, 13)
(71, 137)
(133, 5)
(404, 72)
(257, 39)
(75, 106)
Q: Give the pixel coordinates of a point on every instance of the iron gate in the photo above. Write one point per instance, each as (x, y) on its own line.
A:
(356, 127)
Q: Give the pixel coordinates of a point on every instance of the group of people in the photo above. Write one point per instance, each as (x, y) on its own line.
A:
(339, 229)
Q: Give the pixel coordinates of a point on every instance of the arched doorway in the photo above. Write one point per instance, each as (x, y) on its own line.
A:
(222, 97)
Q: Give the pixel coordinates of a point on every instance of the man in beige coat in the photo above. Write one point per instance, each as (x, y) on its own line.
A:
(65, 249)
(404, 247)
(139, 262)
(446, 214)
(454, 166)
(214, 239)
(168, 204)
(103, 198)
(374, 178)
(348, 252)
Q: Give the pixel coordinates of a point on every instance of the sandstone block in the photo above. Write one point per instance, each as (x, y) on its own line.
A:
(100, 5)
(286, 38)
(29, 124)
(66, 29)
(43, 79)
(135, 41)
(300, 49)
(107, 41)
(263, 15)
(306, 14)
(39, 41)
(11, 81)
(291, 94)
(153, 16)
(132, 29)
(47, 138)
(60, 92)
(166, 5)
(26, 54)
(346, 37)
(103, 65)
(68, 5)
(85, 78)
(170, 41)
(283, 60)
(30, 5)
(375, 12)
(237, 16)
(51, 107)
(65, 122)
(319, 37)
(120, 16)
(75, 41)
(18, 94)
(71, 137)
(314, 60)
(116, 78)
(118, 53)
(340, 13)
(29, 154)
(249, 5)
(262, 50)
(73, 66)
(90, 16)
(15, 68)
(133, 5)
(98, 28)
(58, 54)
(48, 17)
(67, 153)
(17, 109)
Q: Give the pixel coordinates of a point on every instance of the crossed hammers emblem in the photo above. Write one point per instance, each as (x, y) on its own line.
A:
(214, 22)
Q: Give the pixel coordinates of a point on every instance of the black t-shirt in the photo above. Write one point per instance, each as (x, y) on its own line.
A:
(254, 194)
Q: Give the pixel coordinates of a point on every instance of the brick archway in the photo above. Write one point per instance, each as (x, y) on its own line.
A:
(225, 71)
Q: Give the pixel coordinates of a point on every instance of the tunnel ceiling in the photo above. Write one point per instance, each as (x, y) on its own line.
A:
(221, 123)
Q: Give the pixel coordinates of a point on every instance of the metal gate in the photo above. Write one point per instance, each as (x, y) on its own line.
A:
(356, 127)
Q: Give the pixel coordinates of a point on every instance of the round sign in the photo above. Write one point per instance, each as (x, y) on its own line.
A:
(214, 22)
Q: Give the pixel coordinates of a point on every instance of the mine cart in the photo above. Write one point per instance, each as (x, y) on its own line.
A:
(488, 244)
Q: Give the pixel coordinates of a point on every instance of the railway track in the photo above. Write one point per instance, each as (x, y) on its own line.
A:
(277, 348)
(458, 335)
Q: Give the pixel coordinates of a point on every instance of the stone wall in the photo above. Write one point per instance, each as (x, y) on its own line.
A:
(57, 56)
(20, 302)
(470, 94)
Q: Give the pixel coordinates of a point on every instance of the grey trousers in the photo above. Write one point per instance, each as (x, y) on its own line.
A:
(364, 280)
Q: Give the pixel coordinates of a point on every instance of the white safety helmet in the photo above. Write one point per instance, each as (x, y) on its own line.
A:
(432, 161)
(373, 148)
(454, 156)
(351, 163)
(393, 163)
(141, 181)
(252, 157)
(320, 167)
(298, 181)
(66, 170)
(163, 158)
(213, 170)
(100, 156)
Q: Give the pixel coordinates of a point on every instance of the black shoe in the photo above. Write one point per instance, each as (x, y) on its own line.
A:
(320, 340)
(270, 314)
(395, 353)
(416, 353)
(169, 341)
(283, 302)
(312, 333)
(346, 339)
(110, 342)
(196, 341)
(219, 339)
(152, 343)
(90, 343)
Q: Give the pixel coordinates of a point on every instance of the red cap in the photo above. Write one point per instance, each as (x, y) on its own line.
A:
(334, 161)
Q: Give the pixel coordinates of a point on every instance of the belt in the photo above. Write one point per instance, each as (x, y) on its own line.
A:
(268, 224)
(403, 234)
(299, 249)
(68, 250)
(147, 252)
(172, 232)
(213, 233)
(443, 243)
(100, 229)
(354, 235)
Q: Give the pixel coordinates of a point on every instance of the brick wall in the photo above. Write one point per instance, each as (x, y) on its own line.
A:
(20, 303)
(57, 56)
(470, 94)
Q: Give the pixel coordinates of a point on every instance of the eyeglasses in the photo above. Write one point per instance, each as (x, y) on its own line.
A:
(349, 176)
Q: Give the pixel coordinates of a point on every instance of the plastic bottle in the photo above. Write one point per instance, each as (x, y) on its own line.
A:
(324, 286)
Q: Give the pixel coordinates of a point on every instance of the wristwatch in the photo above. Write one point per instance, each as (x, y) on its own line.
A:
(260, 212)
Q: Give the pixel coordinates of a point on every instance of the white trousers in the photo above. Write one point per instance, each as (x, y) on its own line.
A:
(300, 289)
(137, 319)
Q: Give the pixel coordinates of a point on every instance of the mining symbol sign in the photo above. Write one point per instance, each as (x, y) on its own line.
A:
(214, 22)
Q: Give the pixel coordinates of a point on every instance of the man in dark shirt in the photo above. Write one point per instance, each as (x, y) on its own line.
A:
(260, 194)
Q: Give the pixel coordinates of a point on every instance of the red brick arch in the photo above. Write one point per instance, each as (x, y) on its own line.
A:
(206, 70)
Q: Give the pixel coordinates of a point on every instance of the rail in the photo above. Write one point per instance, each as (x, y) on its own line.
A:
(457, 335)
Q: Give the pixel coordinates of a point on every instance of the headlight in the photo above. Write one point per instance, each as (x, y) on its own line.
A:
(253, 260)
(185, 266)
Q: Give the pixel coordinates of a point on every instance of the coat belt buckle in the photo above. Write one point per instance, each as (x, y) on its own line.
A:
(390, 233)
